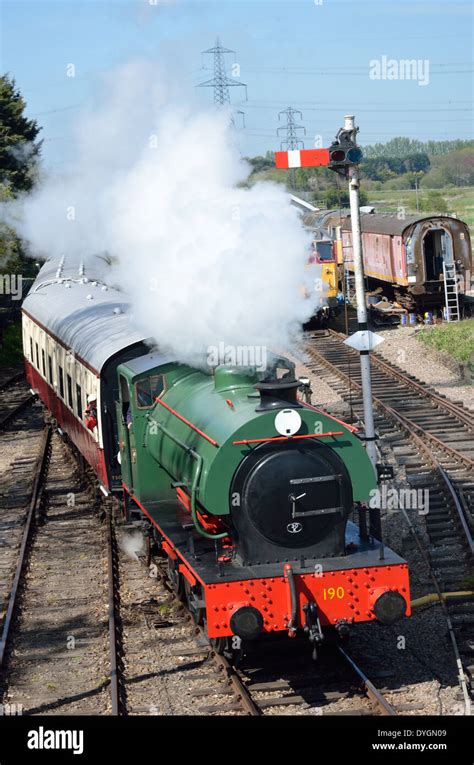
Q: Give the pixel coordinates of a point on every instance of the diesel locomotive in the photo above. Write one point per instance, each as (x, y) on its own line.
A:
(251, 494)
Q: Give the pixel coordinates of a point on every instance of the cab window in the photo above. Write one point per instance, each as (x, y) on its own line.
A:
(325, 252)
(147, 390)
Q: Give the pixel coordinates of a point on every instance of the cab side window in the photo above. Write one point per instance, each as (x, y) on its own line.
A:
(147, 390)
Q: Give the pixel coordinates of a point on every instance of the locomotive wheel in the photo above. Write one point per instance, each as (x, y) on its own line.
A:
(219, 645)
(193, 598)
(230, 647)
(175, 579)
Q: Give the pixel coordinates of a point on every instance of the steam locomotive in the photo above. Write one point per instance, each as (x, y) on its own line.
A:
(250, 493)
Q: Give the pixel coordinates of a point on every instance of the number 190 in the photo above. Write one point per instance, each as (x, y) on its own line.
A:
(329, 593)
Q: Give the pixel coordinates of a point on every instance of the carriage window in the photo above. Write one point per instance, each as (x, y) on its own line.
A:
(69, 390)
(37, 356)
(43, 359)
(79, 400)
(61, 381)
(31, 350)
(147, 390)
(50, 369)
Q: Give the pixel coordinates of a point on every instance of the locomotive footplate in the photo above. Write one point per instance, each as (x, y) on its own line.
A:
(345, 588)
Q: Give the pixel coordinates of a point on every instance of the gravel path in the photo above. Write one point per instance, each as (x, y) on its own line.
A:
(402, 347)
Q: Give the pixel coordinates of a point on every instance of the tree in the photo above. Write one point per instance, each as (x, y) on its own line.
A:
(18, 147)
(335, 198)
(18, 161)
(435, 179)
(417, 163)
(458, 167)
(404, 147)
(434, 202)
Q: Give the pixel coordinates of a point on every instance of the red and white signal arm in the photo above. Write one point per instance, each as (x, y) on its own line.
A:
(285, 160)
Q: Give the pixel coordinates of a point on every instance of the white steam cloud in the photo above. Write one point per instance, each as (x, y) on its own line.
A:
(155, 184)
(132, 543)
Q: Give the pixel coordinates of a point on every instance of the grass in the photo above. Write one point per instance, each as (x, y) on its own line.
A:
(456, 339)
(11, 351)
(460, 201)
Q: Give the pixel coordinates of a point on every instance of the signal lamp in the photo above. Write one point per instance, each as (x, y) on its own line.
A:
(338, 155)
(354, 155)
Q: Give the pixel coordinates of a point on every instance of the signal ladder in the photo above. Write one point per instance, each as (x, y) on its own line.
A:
(350, 290)
(451, 292)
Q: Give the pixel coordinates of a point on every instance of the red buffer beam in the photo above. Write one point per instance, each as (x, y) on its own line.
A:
(285, 160)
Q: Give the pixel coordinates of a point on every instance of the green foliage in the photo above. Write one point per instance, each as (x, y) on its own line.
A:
(385, 168)
(405, 147)
(456, 168)
(405, 181)
(454, 338)
(434, 202)
(262, 163)
(435, 179)
(18, 150)
(335, 198)
(11, 346)
(18, 168)
(460, 201)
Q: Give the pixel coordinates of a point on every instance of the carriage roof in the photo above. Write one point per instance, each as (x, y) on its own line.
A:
(77, 306)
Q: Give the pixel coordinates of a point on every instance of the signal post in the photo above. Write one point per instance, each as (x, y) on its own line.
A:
(343, 156)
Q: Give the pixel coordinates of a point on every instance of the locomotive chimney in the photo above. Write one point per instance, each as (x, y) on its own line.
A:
(277, 394)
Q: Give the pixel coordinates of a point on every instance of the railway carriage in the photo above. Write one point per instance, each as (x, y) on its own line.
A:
(405, 255)
(76, 330)
(251, 494)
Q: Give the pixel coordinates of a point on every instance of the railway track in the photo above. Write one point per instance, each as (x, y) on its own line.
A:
(160, 636)
(106, 670)
(15, 396)
(55, 633)
(433, 440)
(19, 502)
(258, 686)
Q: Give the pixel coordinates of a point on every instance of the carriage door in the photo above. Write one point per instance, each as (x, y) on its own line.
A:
(124, 419)
(447, 248)
(437, 248)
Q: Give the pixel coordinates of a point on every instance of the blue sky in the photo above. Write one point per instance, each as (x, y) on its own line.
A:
(300, 53)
